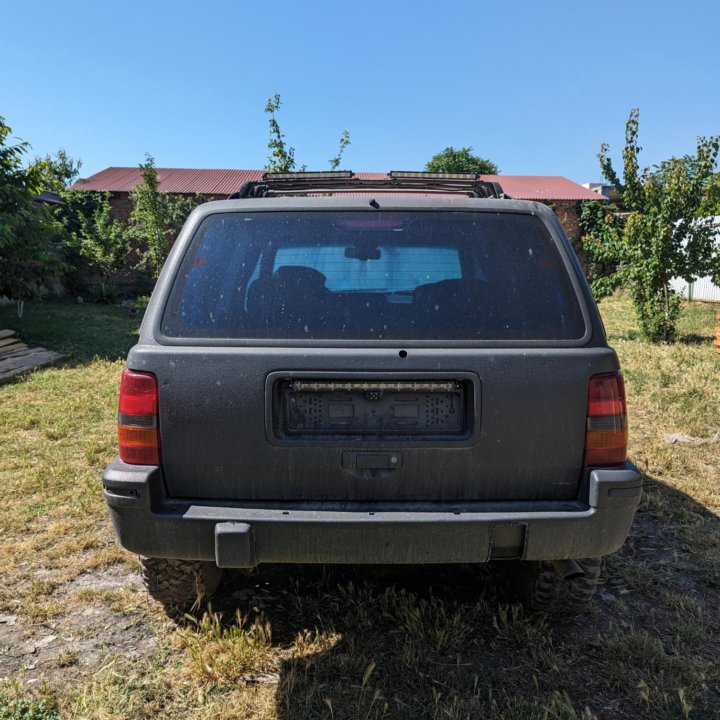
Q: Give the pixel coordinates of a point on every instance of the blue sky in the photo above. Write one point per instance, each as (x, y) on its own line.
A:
(536, 87)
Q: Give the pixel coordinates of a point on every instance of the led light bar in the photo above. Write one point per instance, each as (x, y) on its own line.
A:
(401, 174)
(386, 386)
(327, 175)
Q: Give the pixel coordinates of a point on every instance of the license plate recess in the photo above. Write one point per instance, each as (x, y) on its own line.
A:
(375, 408)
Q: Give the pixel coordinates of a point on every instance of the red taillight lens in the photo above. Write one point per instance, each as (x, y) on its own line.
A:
(138, 438)
(606, 431)
(138, 393)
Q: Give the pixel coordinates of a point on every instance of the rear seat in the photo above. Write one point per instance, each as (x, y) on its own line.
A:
(293, 298)
(447, 304)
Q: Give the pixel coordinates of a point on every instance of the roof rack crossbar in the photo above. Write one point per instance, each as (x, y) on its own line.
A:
(275, 184)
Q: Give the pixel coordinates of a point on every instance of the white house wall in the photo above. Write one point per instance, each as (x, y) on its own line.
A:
(702, 288)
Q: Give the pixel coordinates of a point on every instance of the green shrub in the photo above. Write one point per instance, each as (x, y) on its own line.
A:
(21, 709)
(105, 293)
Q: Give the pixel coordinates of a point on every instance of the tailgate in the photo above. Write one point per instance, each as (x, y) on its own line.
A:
(240, 424)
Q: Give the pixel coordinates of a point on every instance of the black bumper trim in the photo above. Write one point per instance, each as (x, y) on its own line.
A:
(232, 536)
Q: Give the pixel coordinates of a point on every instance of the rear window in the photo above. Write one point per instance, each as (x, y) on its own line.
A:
(397, 268)
(361, 276)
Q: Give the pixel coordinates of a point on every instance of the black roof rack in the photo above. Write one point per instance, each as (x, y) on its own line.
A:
(340, 181)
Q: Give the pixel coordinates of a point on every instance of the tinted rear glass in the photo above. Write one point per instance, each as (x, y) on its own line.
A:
(357, 275)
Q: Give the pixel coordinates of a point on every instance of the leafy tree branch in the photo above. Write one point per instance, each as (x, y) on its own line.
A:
(282, 156)
(157, 217)
(460, 160)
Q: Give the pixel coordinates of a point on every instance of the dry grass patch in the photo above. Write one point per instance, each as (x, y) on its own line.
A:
(56, 432)
(223, 656)
(300, 643)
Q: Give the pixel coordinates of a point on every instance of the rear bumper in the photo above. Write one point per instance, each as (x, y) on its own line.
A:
(150, 524)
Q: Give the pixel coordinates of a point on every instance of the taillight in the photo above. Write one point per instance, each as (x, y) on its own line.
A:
(606, 431)
(138, 438)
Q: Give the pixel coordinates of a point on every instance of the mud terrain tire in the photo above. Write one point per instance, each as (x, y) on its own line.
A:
(180, 584)
(541, 587)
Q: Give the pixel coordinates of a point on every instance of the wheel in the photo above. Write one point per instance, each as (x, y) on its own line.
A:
(542, 584)
(180, 584)
(582, 589)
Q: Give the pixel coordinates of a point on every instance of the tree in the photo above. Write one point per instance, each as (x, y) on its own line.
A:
(462, 160)
(710, 187)
(87, 226)
(97, 236)
(661, 235)
(282, 156)
(157, 217)
(711, 201)
(344, 142)
(29, 235)
(57, 172)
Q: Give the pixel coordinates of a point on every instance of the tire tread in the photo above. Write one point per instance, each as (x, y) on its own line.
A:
(179, 584)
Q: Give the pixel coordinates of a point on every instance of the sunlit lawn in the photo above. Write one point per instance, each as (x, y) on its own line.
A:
(353, 642)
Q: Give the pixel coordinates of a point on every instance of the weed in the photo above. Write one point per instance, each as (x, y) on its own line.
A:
(67, 658)
(223, 655)
(15, 706)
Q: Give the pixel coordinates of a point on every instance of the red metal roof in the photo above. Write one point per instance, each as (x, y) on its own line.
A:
(542, 187)
(226, 182)
(173, 180)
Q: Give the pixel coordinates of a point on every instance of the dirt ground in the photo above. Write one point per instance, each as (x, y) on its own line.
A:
(109, 620)
(77, 643)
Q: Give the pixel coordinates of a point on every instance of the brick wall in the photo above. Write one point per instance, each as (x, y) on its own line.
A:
(121, 206)
(567, 212)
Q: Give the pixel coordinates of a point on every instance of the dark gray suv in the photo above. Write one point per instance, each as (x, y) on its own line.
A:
(403, 372)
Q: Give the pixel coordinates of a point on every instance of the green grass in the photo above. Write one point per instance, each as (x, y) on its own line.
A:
(13, 706)
(336, 642)
(81, 331)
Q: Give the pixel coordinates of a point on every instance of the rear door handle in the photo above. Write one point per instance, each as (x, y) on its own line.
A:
(371, 460)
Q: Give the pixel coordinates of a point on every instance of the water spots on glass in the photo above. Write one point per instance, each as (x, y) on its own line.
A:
(451, 275)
